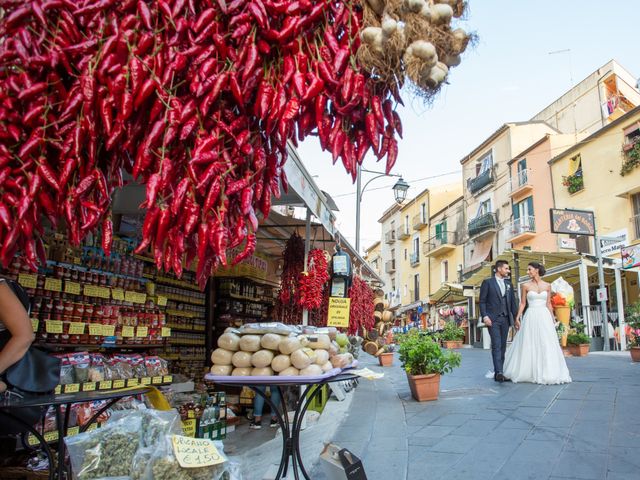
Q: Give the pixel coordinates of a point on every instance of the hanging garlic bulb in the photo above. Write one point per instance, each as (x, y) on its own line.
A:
(441, 13)
(424, 50)
(377, 6)
(452, 60)
(389, 25)
(414, 6)
(370, 34)
(460, 40)
(437, 75)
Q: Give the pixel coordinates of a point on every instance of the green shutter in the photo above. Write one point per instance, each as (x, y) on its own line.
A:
(530, 205)
(516, 211)
(439, 231)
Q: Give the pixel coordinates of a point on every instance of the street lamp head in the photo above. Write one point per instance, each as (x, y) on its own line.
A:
(400, 190)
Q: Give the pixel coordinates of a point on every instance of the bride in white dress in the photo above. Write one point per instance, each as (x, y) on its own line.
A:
(535, 355)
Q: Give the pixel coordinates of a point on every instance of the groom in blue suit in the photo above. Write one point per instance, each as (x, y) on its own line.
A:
(498, 308)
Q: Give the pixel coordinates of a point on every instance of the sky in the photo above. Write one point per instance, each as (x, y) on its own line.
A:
(508, 76)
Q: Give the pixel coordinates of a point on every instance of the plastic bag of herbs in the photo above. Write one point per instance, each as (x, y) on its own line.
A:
(122, 448)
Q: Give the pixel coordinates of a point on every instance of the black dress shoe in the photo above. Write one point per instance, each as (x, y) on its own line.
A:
(500, 378)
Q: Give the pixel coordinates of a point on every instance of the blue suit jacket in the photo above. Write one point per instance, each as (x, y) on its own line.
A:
(490, 299)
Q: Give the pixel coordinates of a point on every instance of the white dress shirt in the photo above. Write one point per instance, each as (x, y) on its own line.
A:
(501, 284)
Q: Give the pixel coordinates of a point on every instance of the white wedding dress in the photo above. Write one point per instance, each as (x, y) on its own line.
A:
(535, 355)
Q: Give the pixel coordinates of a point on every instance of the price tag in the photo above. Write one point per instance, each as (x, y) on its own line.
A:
(133, 382)
(35, 323)
(156, 380)
(89, 387)
(108, 330)
(73, 431)
(117, 294)
(105, 385)
(77, 261)
(92, 427)
(72, 388)
(53, 284)
(162, 301)
(32, 440)
(99, 292)
(189, 427)
(145, 380)
(95, 329)
(28, 280)
(194, 452)
(72, 288)
(165, 332)
(53, 326)
(58, 390)
(51, 436)
(191, 414)
(128, 331)
(118, 384)
(135, 297)
(142, 332)
(167, 379)
(76, 328)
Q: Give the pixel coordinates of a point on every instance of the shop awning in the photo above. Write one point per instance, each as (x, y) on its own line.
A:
(411, 306)
(448, 293)
(481, 251)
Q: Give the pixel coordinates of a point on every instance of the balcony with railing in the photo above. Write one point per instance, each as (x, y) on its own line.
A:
(521, 229)
(390, 237)
(520, 184)
(483, 224)
(476, 184)
(403, 232)
(635, 226)
(419, 221)
(414, 258)
(390, 266)
(440, 244)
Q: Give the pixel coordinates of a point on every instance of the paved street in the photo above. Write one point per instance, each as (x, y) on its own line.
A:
(480, 429)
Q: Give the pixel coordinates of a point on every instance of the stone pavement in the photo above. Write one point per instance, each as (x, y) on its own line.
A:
(480, 429)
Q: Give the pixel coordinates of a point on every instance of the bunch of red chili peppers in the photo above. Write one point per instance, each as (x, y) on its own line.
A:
(361, 317)
(312, 281)
(195, 99)
(288, 308)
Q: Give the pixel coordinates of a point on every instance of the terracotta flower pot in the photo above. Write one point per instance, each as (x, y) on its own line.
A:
(566, 351)
(452, 344)
(424, 387)
(635, 354)
(579, 350)
(385, 359)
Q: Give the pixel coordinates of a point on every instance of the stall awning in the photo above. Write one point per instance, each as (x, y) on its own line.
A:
(481, 251)
(448, 293)
(411, 306)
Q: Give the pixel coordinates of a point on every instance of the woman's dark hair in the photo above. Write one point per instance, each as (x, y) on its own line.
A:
(539, 267)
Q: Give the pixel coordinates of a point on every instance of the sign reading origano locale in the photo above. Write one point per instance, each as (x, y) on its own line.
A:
(338, 315)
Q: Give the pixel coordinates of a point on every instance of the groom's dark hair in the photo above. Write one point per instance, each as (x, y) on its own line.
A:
(500, 263)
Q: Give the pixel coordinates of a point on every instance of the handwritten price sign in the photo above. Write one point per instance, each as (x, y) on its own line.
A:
(195, 452)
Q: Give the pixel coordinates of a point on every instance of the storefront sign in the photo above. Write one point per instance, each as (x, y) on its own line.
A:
(338, 315)
(630, 256)
(195, 452)
(572, 222)
(613, 242)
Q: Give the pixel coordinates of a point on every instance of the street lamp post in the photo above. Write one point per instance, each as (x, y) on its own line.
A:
(399, 192)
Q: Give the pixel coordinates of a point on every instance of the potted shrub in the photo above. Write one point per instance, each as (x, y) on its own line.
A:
(424, 361)
(452, 335)
(386, 357)
(579, 344)
(561, 330)
(633, 341)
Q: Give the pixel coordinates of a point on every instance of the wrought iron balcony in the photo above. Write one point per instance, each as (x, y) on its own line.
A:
(482, 224)
(440, 244)
(390, 237)
(521, 229)
(520, 184)
(419, 222)
(478, 183)
(402, 233)
(390, 266)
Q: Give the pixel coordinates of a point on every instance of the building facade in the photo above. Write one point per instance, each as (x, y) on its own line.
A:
(602, 174)
(487, 187)
(601, 98)
(373, 256)
(443, 250)
(531, 195)
(389, 254)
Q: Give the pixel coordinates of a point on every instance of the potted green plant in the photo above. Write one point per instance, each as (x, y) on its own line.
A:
(424, 362)
(574, 183)
(578, 344)
(561, 330)
(452, 335)
(633, 340)
(385, 358)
